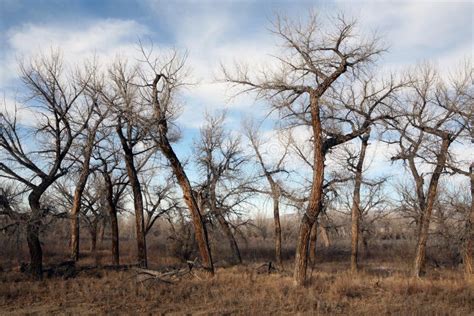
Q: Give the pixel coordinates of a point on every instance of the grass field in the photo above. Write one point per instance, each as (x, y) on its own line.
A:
(383, 287)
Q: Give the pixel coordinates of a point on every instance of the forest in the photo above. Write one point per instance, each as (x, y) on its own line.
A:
(101, 211)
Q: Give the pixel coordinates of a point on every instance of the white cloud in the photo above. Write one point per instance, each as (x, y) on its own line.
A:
(104, 38)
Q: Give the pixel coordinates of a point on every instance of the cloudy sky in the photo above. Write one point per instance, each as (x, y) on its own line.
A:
(215, 32)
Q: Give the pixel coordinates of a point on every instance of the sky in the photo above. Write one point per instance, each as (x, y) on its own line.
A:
(215, 32)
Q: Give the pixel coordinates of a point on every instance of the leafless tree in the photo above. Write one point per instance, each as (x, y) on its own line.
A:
(123, 98)
(159, 199)
(309, 82)
(161, 77)
(114, 185)
(220, 160)
(430, 124)
(270, 172)
(84, 149)
(55, 97)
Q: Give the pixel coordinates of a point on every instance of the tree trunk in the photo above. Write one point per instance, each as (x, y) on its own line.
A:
(420, 256)
(355, 211)
(315, 200)
(76, 204)
(32, 236)
(137, 200)
(101, 232)
(83, 177)
(276, 221)
(469, 241)
(93, 233)
(230, 237)
(313, 238)
(36, 253)
(115, 238)
(199, 227)
(112, 210)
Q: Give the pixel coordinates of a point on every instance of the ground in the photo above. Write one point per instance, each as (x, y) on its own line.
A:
(379, 289)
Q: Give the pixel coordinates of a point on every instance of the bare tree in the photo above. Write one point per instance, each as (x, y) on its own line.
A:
(56, 99)
(114, 185)
(318, 64)
(85, 149)
(269, 172)
(161, 79)
(159, 199)
(123, 98)
(220, 159)
(430, 124)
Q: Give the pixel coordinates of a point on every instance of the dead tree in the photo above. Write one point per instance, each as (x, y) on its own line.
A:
(356, 203)
(466, 116)
(159, 198)
(270, 173)
(161, 78)
(220, 160)
(318, 64)
(56, 102)
(123, 98)
(85, 148)
(114, 185)
(430, 124)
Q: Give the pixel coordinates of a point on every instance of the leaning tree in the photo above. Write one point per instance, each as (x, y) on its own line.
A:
(430, 120)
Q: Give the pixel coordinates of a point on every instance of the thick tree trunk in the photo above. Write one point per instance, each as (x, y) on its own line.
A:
(112, 210)
(139, 219)
(420, 255)
(137, 200)
(315, 200)
(313, 239)
(469, 241)
(355, 211)
(32, 236)
(114, 229)
(277, 224)
(199, 227)
(36, 253)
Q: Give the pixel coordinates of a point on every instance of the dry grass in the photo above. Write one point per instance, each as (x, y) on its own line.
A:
(240, 290)
(383, 286)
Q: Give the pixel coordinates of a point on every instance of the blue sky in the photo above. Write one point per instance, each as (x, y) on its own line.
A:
(215, 32)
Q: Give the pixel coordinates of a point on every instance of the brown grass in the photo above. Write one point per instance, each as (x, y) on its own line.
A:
(240, 290)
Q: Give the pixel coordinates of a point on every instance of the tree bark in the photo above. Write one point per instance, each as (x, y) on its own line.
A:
(114, 229)
(313, 238)
(277, 224)
(419, 263)
(76, 204)
(199, 227)
(355, 211)
(137, 200)
(315, 200)
(32, 235)
(112, 210)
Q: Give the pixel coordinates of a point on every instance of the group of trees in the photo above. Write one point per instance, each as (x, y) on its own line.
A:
(100, 134)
